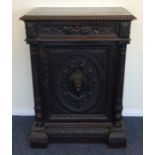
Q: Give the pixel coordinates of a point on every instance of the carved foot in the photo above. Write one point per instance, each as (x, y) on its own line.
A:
(117, 138)
(38, 140)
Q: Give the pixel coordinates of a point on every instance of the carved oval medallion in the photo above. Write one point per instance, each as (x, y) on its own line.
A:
(77, 82)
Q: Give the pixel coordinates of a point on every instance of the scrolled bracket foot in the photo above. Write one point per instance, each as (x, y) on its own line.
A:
(117, 138)
(38, 140)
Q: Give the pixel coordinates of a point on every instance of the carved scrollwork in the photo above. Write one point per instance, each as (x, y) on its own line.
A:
(31, 29)
(77, 84)
(124, 29)
(76, 30)
(34, 49)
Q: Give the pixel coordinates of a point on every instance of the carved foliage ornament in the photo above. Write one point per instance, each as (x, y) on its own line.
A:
(77, 84)
(75, 29)
(124, 29)
(31, 30)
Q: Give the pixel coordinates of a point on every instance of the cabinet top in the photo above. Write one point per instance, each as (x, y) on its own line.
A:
(77, 13)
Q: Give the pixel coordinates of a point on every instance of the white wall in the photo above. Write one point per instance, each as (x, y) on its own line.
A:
(22, 82)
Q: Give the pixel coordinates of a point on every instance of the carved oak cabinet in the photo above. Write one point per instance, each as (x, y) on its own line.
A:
(78, 60)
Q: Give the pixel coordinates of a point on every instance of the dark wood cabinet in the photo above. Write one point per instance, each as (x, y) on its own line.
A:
(78, 60)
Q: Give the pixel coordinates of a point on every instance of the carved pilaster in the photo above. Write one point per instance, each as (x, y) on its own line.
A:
(118, 106)
(44, 69)
(36, 84)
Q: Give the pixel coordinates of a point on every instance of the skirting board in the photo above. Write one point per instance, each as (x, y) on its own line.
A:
(30, 112)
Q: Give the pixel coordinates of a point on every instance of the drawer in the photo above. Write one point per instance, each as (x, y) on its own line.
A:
(60, 30)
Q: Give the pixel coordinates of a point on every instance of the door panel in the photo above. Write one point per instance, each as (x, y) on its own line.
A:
(77, 80)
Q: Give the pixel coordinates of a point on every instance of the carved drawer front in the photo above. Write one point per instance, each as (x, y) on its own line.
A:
(75, 29)
(77, 80)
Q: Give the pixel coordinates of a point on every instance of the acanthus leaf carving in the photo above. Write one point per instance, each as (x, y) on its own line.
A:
(77, 84)
(76, 30)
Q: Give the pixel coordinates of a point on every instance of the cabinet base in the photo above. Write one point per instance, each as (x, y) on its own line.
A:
(117, 138)
(39, 140)
(77, 132)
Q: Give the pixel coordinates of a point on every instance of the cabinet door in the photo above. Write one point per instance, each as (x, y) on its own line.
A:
(78, 81)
